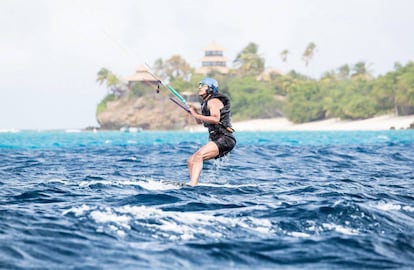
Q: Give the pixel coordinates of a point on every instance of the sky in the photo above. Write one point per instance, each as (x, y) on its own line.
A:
(51, 50)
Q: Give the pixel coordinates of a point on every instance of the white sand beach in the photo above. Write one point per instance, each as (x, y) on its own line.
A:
(384, 122)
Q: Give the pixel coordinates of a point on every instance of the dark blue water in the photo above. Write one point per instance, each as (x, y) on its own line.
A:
(281, 200)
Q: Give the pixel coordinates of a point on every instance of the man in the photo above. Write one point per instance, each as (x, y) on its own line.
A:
(215, 115)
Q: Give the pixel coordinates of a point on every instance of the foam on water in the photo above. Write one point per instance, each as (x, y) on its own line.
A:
(150, 184)
(340, 229)
(168, 224)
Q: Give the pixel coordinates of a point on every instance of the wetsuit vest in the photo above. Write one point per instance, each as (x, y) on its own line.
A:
(224, 115)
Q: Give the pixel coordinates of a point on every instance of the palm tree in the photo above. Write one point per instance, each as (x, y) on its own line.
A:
(343, 72)
(102, 75)
(248, 61)
(251, 48)
(284, 55)
(113, 83)
(361, 70)
(309, 53)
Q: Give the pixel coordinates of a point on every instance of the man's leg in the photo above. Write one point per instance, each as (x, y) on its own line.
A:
(195, 162)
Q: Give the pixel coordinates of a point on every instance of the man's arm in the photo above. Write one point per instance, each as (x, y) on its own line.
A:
(214, 105)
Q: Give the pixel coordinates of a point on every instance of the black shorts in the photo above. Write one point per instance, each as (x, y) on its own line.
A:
(225, 144)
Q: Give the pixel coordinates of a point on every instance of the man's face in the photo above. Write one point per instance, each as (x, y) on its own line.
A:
(202, 89)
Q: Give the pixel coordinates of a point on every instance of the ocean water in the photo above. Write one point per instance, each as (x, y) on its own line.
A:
(280, 200)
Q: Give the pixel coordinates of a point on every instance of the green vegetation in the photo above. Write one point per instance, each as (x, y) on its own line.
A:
(102, 105)
(349, 92)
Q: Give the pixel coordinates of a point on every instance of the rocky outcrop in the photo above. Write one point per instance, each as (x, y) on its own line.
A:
(150, 112)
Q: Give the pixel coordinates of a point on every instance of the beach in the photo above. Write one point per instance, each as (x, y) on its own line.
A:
(384, 122)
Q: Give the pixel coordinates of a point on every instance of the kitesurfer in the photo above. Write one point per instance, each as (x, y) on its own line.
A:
(215, 115)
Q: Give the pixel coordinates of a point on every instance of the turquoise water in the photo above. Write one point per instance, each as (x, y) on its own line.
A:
(35, 139)
(280, 200)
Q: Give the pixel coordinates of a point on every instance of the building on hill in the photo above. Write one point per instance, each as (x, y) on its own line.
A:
(141, 76)
(213, 60)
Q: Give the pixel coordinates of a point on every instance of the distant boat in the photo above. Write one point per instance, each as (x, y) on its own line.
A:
(131, 129)
(73, 130)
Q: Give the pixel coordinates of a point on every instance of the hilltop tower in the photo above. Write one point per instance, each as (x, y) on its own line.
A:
(213, 60)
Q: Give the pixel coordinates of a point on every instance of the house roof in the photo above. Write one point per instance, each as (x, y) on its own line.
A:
(214, 47)
(141, 75)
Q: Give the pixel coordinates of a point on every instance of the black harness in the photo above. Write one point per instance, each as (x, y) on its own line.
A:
(224, 126)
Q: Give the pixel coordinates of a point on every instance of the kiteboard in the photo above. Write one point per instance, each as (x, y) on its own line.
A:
(175, 183)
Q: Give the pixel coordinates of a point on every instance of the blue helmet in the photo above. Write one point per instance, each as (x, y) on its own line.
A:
(211, 83)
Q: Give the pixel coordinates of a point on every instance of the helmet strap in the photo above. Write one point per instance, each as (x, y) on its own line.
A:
(206, 96)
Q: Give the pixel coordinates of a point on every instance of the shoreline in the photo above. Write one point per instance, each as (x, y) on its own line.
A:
(378, 123)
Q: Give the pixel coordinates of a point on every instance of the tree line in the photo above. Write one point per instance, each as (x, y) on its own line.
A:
(347, 92)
